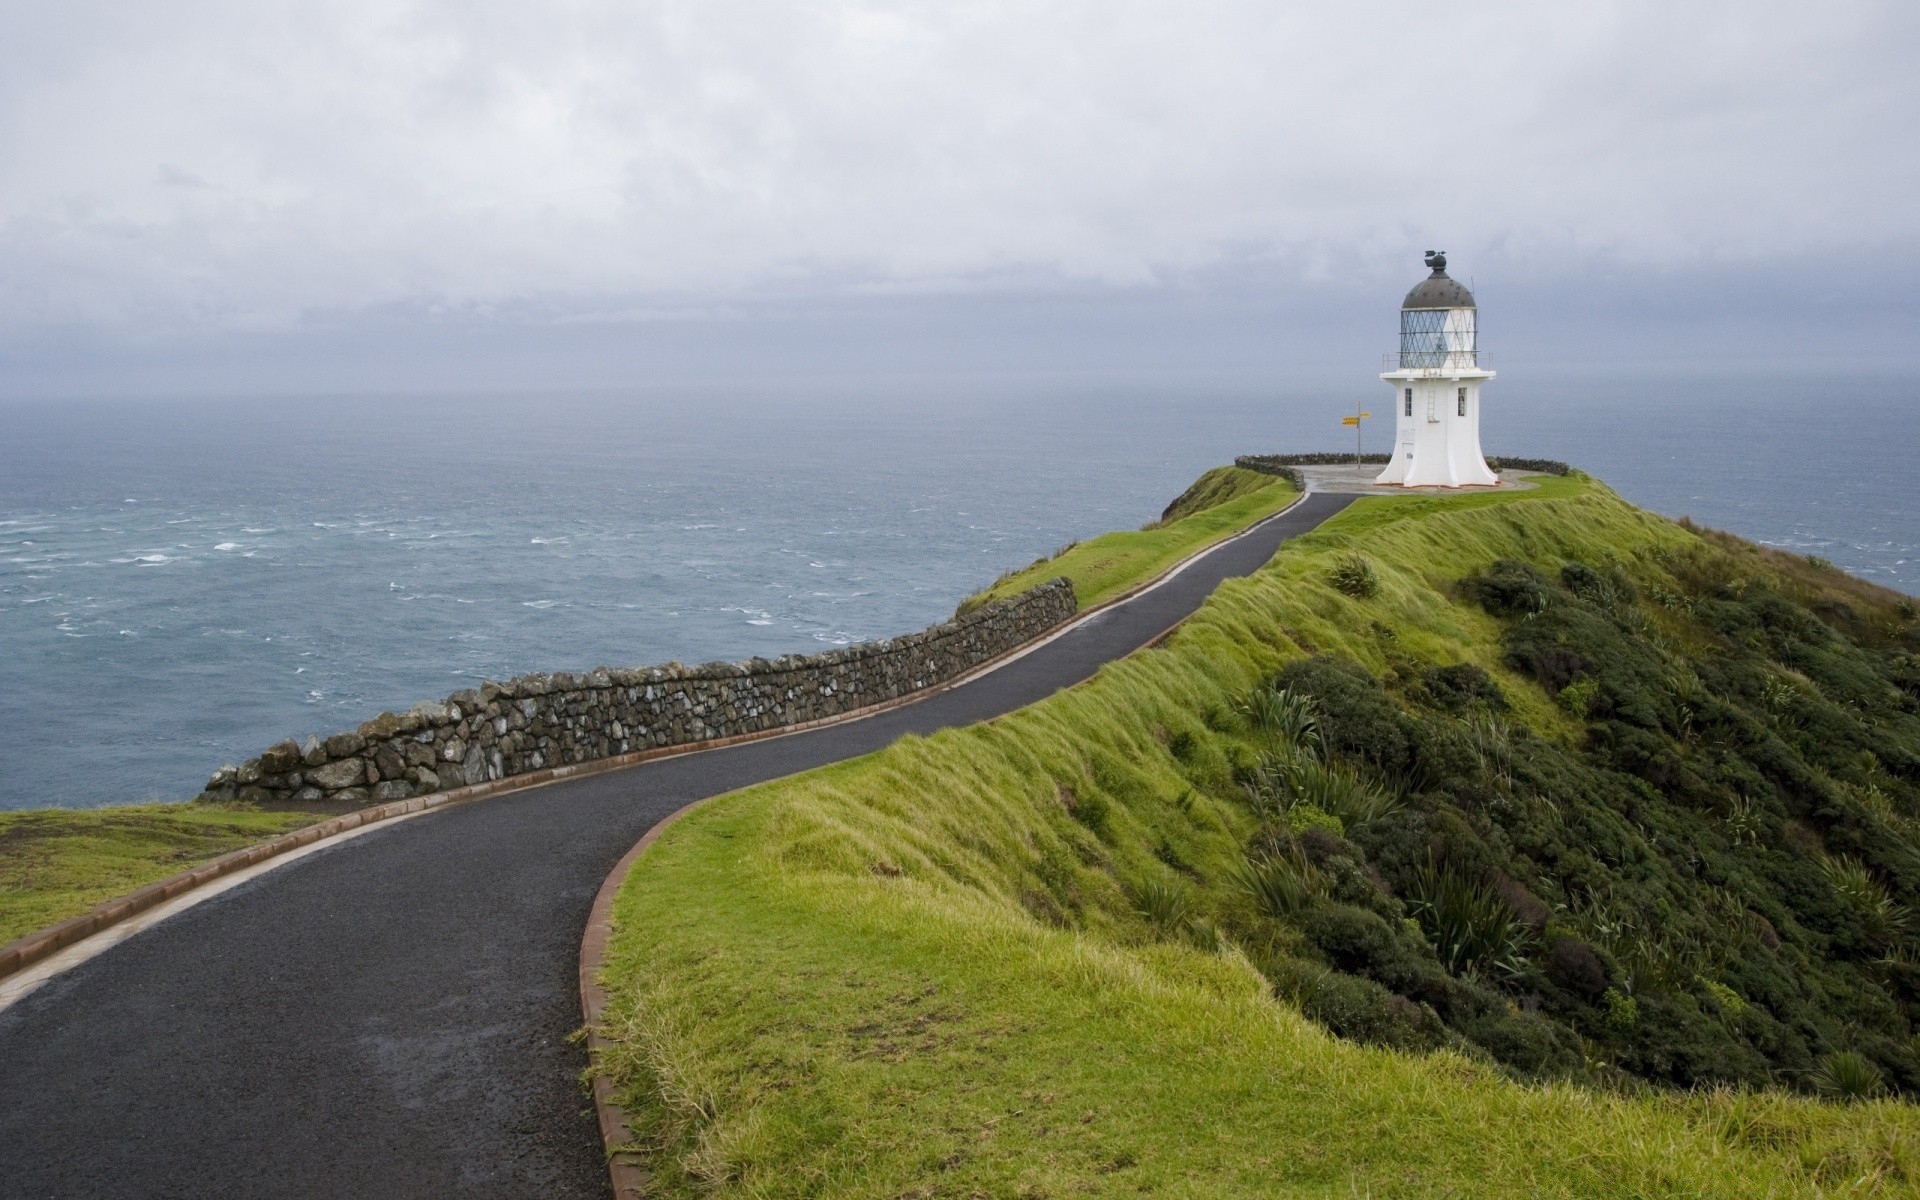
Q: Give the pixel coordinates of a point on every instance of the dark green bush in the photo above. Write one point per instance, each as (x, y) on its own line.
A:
(1573, 965)
(1459, 687)
(1473, 931)
(1509, 588)
(1281, 886)
(1285, 715)
(1354, 575)
(1846, 1075)
(1357, 718)
(1521, 1040)
(1357, 1008)
(1363, 943)
(1609, 590)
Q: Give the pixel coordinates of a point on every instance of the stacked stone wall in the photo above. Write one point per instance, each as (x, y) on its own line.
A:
(500, 730)
(1285, 465)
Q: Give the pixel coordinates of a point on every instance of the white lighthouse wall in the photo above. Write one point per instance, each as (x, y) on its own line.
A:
(1436, 446)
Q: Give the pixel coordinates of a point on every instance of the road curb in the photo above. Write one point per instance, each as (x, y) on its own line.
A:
(629, 1175)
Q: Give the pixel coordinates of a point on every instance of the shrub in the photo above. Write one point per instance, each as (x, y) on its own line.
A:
(1492, 746)
(1461, 686)
(1330, 789)
(1509, 588)
(1743, 823)
(1601, 591)
(1847, 1075)
(1472, 930)
(1578, 696)
(1517, 1039)
(1356, 717)
(1303, 817)
(1285, 714)
(1282, 886)
(1166, 901)
(1623, 1011)
(1364, 943)
(1569, 642)
(1357, 1008)
(1354, 575)
(1730, 1001)
(1880, 918)
(1573, 965)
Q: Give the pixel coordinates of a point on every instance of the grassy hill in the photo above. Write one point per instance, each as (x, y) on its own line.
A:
(57, 863)
(1219, 504)
(1491, 845)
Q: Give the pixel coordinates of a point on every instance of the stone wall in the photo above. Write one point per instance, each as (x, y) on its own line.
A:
(499, 730)
(1284, 465)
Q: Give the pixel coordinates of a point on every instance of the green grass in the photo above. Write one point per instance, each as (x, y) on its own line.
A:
(1224, 501)
(1219, 486)
(924, 972)
(57, 863)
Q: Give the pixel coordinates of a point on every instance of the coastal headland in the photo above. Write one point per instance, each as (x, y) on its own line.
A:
(1516, 841)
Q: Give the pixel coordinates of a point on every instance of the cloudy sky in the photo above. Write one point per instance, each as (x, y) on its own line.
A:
(230, 194)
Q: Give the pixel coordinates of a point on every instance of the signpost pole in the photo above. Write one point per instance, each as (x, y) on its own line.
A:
(1354, 420)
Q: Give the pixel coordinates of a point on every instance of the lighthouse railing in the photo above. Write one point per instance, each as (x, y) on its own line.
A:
(1434, 360)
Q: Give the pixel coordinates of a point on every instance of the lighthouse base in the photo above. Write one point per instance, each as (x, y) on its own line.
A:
(1470, 474)
(1437, 429)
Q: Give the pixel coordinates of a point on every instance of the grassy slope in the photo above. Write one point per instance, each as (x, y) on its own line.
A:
(919, 973)
(1224, 501)
(1219, 486)
(57, 863)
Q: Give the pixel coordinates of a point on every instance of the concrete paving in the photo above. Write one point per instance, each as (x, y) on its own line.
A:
(389, 1017)
(1349, 480)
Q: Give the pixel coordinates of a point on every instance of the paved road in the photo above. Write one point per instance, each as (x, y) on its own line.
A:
(388, 1018)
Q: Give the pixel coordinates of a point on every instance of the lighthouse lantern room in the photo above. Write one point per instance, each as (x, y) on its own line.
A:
(1436, 385)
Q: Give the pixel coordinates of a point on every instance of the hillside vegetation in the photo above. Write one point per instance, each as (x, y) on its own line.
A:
(1521, 844)
(1220, 504)
(1221, 485)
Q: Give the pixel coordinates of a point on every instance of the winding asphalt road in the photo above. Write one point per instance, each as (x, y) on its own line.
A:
(389, 1017)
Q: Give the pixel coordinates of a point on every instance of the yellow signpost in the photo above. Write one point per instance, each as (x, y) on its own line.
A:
(1354, 421)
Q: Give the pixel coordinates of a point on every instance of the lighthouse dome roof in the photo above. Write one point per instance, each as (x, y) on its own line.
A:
(1438, 290)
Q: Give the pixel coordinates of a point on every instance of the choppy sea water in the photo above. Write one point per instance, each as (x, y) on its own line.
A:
(183, 583)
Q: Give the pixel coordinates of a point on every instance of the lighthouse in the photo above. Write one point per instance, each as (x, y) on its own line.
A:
(1436, 388)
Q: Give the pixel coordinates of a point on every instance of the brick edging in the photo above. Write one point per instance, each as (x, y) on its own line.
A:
(629, 1176)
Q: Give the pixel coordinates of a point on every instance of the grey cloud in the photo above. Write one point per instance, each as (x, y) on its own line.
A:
(171, 170)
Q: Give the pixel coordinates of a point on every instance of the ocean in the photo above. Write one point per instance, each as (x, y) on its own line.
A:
(184, 582)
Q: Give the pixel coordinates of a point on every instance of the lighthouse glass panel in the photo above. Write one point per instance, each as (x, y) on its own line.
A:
(1437, 338)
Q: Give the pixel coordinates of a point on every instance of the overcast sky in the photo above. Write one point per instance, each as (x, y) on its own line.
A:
(231, 194)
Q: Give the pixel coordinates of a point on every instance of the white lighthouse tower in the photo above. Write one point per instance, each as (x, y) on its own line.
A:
(1436, 388)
